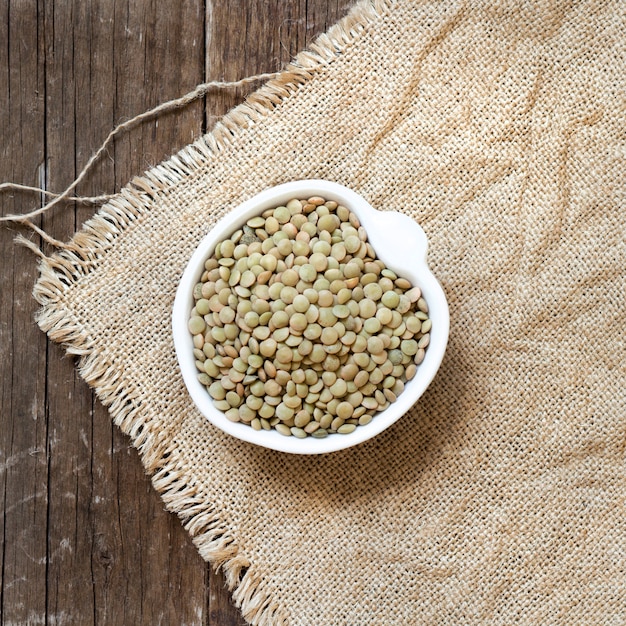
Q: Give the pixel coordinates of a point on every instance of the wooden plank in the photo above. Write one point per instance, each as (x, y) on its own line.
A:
(109, 61)
(68, 401)
(23, 468)
(85, 538)
(144, 556)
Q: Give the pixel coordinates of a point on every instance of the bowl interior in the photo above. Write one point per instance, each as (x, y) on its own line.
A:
(398, 241)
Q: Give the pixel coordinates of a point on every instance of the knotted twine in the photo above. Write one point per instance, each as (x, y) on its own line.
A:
(499, 498)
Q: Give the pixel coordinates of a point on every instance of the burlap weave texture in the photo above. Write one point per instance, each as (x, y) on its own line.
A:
(500, 127)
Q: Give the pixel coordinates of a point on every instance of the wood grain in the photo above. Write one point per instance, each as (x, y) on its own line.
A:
(85, 539)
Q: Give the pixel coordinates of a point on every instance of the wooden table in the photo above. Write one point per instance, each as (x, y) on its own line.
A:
(85, 539)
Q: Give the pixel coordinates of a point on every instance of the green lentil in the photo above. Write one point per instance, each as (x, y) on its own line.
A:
(404, 305)
(373, 291)
(367, 308)
(298, 322)
(390, 299)
(424, 341)
(301, 303)
(283, 429)
(319, 261)
(328, 222)
(372, 325)
(375, 345)
(409, 347)
(413, 324)
(329, 336)
(346, 429)
(352, 244)
(196, 325)
(320, 433)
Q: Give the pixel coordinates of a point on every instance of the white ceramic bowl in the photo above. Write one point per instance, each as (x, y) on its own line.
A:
(397, 240)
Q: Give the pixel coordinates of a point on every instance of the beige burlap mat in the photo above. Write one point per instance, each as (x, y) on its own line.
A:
(500, 498)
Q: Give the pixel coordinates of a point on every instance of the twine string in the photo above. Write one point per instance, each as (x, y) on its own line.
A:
(45, 192)
(198, 92)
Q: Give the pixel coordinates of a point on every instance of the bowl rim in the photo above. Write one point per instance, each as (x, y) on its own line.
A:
(378, 224)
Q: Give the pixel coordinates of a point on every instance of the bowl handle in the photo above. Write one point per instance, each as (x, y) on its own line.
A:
(400, 236)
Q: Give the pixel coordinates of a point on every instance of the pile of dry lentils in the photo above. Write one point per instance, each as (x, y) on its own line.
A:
(299, 327)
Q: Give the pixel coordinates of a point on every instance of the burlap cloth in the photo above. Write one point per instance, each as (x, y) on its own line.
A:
(500, 498)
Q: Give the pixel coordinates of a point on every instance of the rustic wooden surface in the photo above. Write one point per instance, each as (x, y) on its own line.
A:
(85, 539)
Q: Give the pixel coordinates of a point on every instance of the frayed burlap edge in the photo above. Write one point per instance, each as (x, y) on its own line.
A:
(82, 255)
